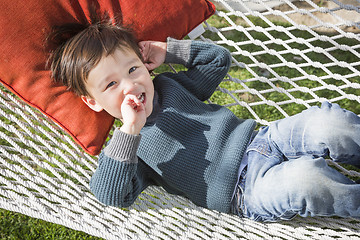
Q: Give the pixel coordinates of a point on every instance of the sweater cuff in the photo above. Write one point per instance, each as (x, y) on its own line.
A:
(178, 51)
(123, 147)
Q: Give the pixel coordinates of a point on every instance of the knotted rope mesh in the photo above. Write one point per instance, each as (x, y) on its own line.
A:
(287, 56)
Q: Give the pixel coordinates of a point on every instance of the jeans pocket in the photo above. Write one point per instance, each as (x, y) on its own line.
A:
(262, 147)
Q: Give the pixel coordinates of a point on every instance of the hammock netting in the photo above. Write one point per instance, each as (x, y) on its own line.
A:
(287, 56)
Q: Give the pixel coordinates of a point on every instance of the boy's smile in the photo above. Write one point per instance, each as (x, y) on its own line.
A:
(116, 77)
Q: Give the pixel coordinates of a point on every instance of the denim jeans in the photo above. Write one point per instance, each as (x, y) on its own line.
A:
(287, 173)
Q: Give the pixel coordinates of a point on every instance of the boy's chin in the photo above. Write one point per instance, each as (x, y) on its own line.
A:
(149, 112)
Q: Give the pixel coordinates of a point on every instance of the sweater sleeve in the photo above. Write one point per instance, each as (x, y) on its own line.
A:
(120, 177)
(206, 63)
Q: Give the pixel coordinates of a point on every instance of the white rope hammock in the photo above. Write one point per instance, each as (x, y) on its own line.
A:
(45, 175)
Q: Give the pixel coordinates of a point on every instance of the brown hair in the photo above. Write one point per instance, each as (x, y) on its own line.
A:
(79, 48)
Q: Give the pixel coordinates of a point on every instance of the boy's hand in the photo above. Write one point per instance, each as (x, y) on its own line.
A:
(133, 115)
(153, 53)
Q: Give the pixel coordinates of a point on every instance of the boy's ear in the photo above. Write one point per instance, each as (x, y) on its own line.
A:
(92, 103)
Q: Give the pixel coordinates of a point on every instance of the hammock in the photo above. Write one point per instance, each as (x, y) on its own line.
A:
(287, 56)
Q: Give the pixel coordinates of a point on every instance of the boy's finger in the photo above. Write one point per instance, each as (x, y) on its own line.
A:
(149, 66)
(143, 51)
(132, 99)
(134, 102)
(142, 44)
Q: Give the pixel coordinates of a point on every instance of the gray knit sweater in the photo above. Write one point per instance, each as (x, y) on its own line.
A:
(188, 147)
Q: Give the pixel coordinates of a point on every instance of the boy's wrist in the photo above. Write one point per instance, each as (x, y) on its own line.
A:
(123, 147)
(130, 129)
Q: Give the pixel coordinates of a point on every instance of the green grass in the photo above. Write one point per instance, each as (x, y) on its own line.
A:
(18, 226)
(270, 113)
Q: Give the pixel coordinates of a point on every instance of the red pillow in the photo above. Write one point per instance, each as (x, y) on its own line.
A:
(25, 24)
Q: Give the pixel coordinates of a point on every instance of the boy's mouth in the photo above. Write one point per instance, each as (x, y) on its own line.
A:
(141, 97)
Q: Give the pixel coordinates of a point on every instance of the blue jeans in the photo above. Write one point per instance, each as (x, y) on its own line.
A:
(287, 173)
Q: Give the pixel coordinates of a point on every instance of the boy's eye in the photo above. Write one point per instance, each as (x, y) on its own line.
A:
(112, 83)
(132, 69)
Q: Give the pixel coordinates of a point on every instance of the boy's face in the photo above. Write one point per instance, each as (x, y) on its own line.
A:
(115, 77)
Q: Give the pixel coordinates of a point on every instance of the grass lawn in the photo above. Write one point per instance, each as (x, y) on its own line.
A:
(18, 226)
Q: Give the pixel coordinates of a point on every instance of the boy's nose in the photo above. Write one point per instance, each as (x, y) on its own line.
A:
(129, 87)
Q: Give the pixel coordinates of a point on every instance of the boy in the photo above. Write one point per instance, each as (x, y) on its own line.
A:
(171, 138)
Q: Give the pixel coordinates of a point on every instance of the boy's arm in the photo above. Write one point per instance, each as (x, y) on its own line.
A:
(119, 178)
(207, 65)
